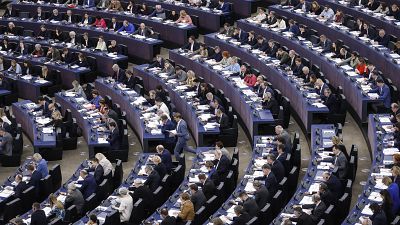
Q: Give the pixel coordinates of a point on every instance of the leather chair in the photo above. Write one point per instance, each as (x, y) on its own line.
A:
(57, 86)
(55, 173)
(178, 174)
(277, 202)
(293, 176)
(341, 116)
(296, 157)
(235, 168)
(265, 214)
(15, 159)
(112, 218)
(90, 203)
(70, 139)
(159, 196)
(71, 215)
(56, 221)
(229, 184)
(285, 102)
(229, 136)
(103, 190)
(56, 153)
(28, 197)
(118, 174)
(11, 210)
(122, 152)
(45, 188)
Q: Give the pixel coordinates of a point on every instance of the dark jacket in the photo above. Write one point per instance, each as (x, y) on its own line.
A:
(153, 181)
(88, 187)
(38, 218)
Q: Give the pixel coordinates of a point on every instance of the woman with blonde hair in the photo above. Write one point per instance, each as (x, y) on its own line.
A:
(57, 208)
(105, 163)
(393, 190)
(184, 18)
(77, 88)
(190, 78)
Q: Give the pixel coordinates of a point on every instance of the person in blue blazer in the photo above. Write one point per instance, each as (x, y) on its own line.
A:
(384, 93)
(35, 178)
(303, 5)
(294, 28)
(183, 136)
(88, 183)
(127, 27)
(240, 35)
(96, 99)
(88, 3)
(167, 125)
(224, 7)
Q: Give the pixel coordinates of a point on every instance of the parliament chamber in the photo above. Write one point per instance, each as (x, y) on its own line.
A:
(192, 112)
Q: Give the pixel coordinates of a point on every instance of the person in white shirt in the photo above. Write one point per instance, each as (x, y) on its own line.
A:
(72, 37)
(260, 15)
(101, 44)
(280, 23)
(105, 163)
(327, 13)
(161, 107)
(126, 204)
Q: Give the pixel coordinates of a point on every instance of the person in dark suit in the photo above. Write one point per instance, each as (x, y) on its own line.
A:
(301, 217)
(66, 56)
(38, 216)
(21, 48)
(35, 177)
(382, 38)
(297, 69)
(166, 126)
(294, 28)
(324, 43)
(88, 183)
(82, 61)
(326, 195)
(153, 180)
(270, 104)
(20, 186)
(281, 154)
(340, 162)
(55, 16)
(166, 218)
(318, 208)
(74, 197)
(395, 108)
(197, 197)
(378, 217)
(113, 47)
(276, 167)
(86, 42)
(98, 171)
(224, 7)
(53, 54)
(114, 138)
(165, 156)
(222, 164)
(240, 35)
(69, 18)
(368, 32)
(304, 32)
(159, 166)
(158, 62)
(261, 195)
(251, 39)
(331, 101)
(261, 44)
(192, 45)
(372, 5)
(9, 12)
(143, 192)
(144, 31)
(43, 106)
(303, 5)
(6, 144)
(269, 178)
(129, 82)
(333, 183)
(242, 217)
(43, 33)
(207, 186)
(320, 87)
(384, 93)
(222, 120)
(114, 25)
(182, 134)
(119, 74)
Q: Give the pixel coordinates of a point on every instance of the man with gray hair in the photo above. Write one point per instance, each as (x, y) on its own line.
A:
(74, 197)
(153, 180)
(222, 164)
(318, 208)
(280, 132)
(141, 191)
(41, 164)
(125, 205)
(6, 144)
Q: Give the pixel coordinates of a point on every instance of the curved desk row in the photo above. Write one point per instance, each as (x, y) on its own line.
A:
(45, 204)
(33, 127)
(181, 101)
(262, 146)
(7, 195)
(382, 58)
(208, 19)
(126, 99)
(30, 88)
(336, 75)
(379, 136)
(320, 138)
(252, 118)
(104, 61)
(390, 26)
(104, 210)
(173, 204)
(86, 119)
(137, 48)
(170, 33)
(301, 100)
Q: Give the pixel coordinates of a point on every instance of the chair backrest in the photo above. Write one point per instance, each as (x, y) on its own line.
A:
(56, 175)
(12, 209)
(28, 197)
(118, 174)
(45, 187)
(90, 203)
(71, 214)
(112, 218)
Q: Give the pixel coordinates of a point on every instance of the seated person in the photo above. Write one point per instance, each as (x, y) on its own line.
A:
(115, 5)
(158, 12)
(127, 27)
(55, 16)
(143, 30)
(270, 103)
(100, 22)
(96, 99)
(82, 61)
(114, 137)
(15, 67)
(113, 48)
(43, 33)
(184, 18)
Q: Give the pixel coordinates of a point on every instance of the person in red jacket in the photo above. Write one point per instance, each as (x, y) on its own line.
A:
(100, 22)
(250, 79)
